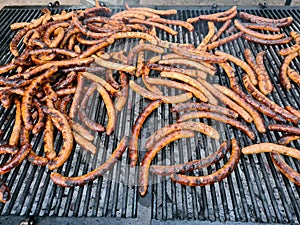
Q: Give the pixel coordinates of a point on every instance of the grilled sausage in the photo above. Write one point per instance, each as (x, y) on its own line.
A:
(217, 176)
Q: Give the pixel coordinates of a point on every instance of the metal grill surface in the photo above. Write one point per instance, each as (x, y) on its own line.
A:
(255, 192)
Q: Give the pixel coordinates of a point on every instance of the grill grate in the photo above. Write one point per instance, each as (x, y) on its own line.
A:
(255, 192)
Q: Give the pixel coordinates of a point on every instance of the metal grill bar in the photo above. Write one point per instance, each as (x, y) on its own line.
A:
(255, 192)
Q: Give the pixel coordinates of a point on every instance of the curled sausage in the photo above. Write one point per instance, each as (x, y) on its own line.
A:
(113, 65)
(194, 83)
(189, 63)
(218, 117)
(133, 143)
(217, 176)
(17, 159)
(28, 96)
(195, 164)
(197, 55)
(62, 125)
(217, 17)
(260, 19)
(194, 126)
(111, 112)
(173, 84)
(151, 153)
(189, 72)
(166, 99)
(285, 169)
(181, 23)
(223, 41)
(99, 171)
(284, 80)
(83, 116)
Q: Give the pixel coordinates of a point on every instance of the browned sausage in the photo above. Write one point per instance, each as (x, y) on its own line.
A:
(151, 153)
(203, 107)
(285, 169)
(217, 176)
(194, 126)
(272, 105)
(135, 131)
(83, 116)
(218, 117)
(271, 147)
(280, 41)
(16, 160)
(284, 128)
(99, 171)
(195, 164)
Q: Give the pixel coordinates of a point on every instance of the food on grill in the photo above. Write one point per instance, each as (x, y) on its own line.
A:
(152, 152)
(204, 107)
(217, 17)
(222, 41)
(264, 100)
(293, 75)
(136, 128)
(271, 147)
(284, 140)
(195, 164)
(259, 19)
(280, 41)
(221, 30)
(217, 176)
(99, 171)
(61, 123)
(284, 128)
(252, 33)
(195, 126)
(65, 52)
(257, 119)
(153, 96)
(285, 169)
(17, 159)
(218, 117)
(284, 80)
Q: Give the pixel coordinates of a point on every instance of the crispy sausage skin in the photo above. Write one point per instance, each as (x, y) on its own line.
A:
(99, 171)
(217, 176)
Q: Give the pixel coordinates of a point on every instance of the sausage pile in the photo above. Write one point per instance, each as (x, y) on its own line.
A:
(65, 62)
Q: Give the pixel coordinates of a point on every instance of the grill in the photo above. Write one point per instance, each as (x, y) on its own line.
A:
(255, 192)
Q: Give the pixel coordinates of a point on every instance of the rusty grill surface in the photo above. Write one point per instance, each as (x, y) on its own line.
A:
(255, 192)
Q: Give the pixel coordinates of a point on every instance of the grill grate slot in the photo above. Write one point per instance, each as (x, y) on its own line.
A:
(255, 192)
